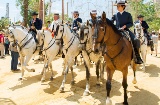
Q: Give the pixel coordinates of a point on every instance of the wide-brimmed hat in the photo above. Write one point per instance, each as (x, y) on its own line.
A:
(75, 12)
(140, 16)
(120, 3)
(94, 12)
(34, 13)
(56, 14)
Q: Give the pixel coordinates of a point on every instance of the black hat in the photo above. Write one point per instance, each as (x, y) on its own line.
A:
(140, 16)
(76, 12)
(120, 3)
(56, 13)
(34, 13)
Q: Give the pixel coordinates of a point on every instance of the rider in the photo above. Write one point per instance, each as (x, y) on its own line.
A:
(35, 24)
(94, 14)
(75, 26)
(56, 20)
(124, 22)
(144, 25)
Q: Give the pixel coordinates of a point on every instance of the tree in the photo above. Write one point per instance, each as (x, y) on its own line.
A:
(3, 23)
(149, 10)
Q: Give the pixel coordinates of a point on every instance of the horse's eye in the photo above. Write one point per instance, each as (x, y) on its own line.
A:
(85, 33)
(60, 30)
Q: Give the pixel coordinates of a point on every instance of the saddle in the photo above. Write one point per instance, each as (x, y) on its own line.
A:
(126, 35)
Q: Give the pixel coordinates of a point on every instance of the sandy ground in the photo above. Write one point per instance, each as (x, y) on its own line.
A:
(31, 91)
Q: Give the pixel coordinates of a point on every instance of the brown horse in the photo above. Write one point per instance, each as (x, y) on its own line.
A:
(117, 52)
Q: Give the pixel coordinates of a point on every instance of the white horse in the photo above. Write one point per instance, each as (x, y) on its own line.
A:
(51, 48)
(71, 49)
(143, 42)
(86, 42)
(26, 45)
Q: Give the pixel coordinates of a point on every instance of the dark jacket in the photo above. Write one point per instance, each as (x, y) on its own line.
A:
(144, 25)
(75, 24)
(37, 24)
(123, 19)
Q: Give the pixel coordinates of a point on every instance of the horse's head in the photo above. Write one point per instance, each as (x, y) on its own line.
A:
(98, 31)
(84, 31)
(9, 33)
(138, 29)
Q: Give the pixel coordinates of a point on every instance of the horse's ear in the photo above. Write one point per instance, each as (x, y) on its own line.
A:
(87, 22)
(103, 16)
(79, 24)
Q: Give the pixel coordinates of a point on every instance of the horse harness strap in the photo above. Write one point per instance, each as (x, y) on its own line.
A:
(49, 46)
(70, 44)
(20, 47)
(112, 58)
(24, 38)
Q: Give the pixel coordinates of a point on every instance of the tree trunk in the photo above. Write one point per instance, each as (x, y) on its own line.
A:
(25, 17)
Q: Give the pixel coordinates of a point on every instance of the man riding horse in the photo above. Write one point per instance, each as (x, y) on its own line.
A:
(35, 24)
(75, 26)
(124, 22)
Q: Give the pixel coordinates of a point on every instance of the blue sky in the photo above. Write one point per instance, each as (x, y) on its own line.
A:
(83, 6)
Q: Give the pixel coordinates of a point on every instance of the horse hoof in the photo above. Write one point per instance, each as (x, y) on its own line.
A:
(134, 81)
(42, 80)
(125, 103)
(61, 89)
(86, 93)
(72, 82)
(20, 79)
(51, 79)
(108, 101)
(33, 70)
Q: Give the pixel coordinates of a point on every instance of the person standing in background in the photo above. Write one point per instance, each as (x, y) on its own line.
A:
(1, 44)
(14, 56)
(6, 45)
(154, 37)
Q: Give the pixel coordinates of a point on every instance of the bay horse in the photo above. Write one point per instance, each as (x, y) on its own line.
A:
(143, 41)
(117, 53)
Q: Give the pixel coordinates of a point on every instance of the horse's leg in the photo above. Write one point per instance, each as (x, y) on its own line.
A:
(50, 65)
(143, 51)
(75, 62)
(22, 66)
(28, 57)
(108, 85)
(87, 66)
(125, 85)
(102, 70)
(44, 70)
(97, 72)
(64, 79)
(72, 81)
(134, 67)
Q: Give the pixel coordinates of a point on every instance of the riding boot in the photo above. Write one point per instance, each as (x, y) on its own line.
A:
(138, 59)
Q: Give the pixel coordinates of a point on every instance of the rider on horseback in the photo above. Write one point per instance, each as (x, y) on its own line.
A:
(124, 22)
(56, 20)
(35, 24)
(75, 26)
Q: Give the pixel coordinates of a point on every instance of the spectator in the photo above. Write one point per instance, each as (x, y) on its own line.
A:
(1, 44)
(6, 45)
(154, 37)
(14, 56)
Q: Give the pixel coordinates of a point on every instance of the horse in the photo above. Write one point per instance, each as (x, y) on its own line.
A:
(51, 49)
(85, 36)
(117, 52)
(143, 40)
(26, 45)
(71, 49)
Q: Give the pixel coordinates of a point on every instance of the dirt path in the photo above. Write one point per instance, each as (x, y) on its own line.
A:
(32, 92)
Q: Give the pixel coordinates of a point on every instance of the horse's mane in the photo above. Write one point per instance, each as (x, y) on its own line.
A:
(21, 27)
(113, 26)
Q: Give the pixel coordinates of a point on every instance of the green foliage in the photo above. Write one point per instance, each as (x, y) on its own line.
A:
(149, 10)
(3, 23)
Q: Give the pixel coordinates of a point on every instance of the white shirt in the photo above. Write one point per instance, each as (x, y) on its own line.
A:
(59, 21)
(155, 38)
(121, 12)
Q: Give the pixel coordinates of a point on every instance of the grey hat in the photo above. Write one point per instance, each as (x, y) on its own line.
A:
(94, 12)
(76, 12)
